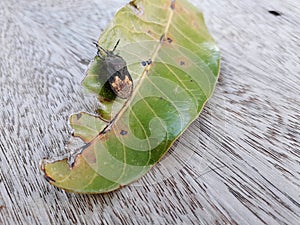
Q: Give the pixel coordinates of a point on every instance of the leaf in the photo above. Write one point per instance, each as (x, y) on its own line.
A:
(174, 63)
(86, 126)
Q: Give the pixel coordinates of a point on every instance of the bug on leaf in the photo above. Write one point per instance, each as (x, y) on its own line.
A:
(116, 71)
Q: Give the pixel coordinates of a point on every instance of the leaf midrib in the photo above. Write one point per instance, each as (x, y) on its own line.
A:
(144, 74)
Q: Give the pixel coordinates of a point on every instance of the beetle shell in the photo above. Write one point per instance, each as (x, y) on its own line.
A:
(116, 72)
(119, 78)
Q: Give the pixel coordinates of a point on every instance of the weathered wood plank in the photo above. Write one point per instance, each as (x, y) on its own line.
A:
(239, 163)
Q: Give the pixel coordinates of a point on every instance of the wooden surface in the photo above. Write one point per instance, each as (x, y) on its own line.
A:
(238, 163)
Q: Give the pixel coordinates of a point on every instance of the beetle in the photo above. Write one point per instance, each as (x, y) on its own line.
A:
(119, 78)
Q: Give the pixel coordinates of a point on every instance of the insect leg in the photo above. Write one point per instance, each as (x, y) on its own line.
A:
(99, 48)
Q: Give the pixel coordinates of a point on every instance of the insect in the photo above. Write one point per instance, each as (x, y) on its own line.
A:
(116, 71)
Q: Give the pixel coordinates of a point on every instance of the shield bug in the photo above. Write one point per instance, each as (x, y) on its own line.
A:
(117, 73)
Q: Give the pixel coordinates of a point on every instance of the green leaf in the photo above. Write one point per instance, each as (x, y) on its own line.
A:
(174, 63)
(86, 126)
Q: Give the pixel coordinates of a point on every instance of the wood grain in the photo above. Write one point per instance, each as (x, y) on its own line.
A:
(238, 163)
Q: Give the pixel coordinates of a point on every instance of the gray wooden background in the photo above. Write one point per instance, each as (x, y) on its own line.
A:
(238, 163)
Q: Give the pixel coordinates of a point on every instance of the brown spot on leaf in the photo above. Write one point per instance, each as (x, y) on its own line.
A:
(123, 132)
(104, 100)
(172, 6)
(169, 40)
(133, 4)
(182, 61)
(138, 9)
(89, 157)
(149, 61)
(144, 63)
(165, 39)
(78, 116)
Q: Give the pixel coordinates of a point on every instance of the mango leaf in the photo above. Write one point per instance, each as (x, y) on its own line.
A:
(174, 64)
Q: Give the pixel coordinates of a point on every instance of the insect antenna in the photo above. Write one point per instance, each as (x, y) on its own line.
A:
(116, 45)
